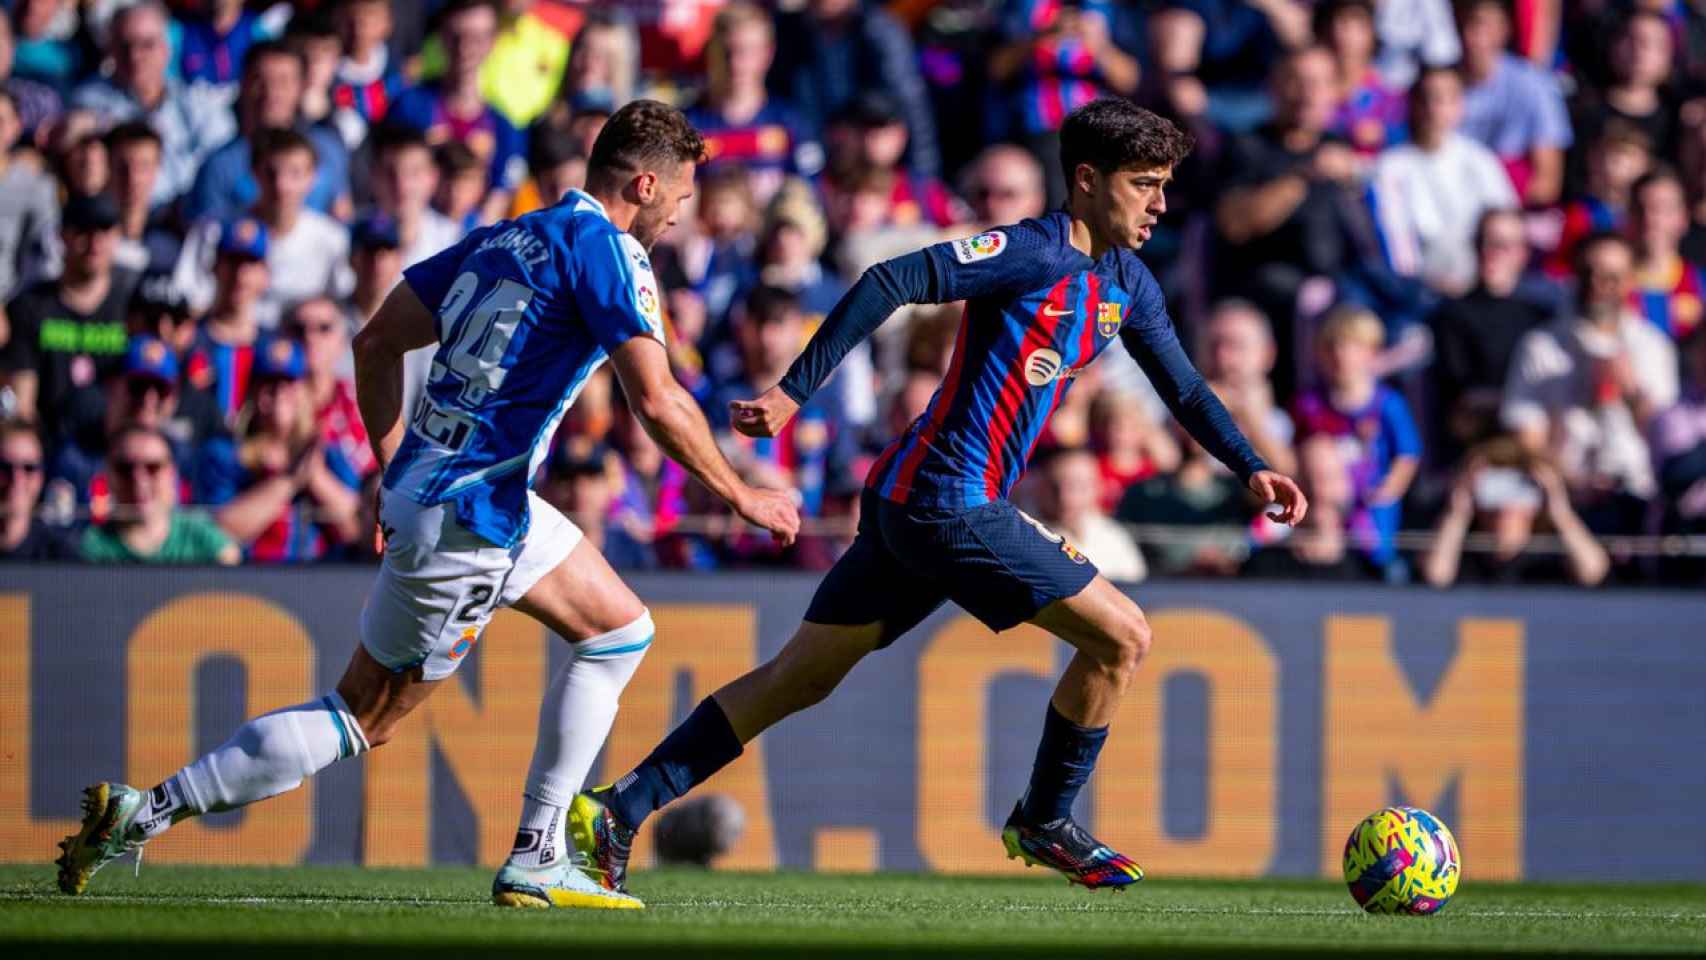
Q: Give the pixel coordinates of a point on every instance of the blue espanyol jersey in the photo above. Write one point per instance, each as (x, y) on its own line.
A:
(527, 310)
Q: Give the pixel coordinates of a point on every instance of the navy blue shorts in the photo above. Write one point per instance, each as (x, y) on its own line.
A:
(992, 560)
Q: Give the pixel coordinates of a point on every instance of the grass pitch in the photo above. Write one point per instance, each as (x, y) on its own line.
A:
(311, 912)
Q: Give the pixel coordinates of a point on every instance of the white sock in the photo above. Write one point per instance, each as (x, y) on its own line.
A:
(272, 754)
(579, 708)
(539, 839)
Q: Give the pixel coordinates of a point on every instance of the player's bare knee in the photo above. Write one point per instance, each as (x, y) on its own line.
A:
(1131, 644)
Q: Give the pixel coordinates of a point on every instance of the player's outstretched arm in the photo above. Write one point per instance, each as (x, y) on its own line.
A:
(401, 324)
(881, 291)
(1150, 339)
(673, 418)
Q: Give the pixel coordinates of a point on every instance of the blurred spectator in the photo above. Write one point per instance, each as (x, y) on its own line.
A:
(68, 335)
(24, 538)
(147, 525)
(29, 212)
(742, 124)
(1618, 157)
(1414, 33)
(1476, 335)
(604, 62)
(1638, 94)
(452, 107)
(404, 181)
(50, 48)
(833, 50)
(1371, 426)
(192, 120)
(1067, 501)
(1291, 209)
(376, 258)
(1511, 106)
(555, 165)
(1128, 446)
(1004, 185)
(149, 239)
(1668, 289)
(279, 490)
(314, 38)
(322, 328)
(80, 160)
(1582, 390)
(716, 258)
(1053, 59)
(158, 311)
(461, 184)
(1503, 491)
(37, 104)
(769, 331)
(525, 70)
(647, 498)
(1678, 439)
(1237, 357)
(1319, 548)
(1223, 49)
(1198, 494)
(144, 393)
(1371, 113)
(270, 98)
(582, 490)
(214, 41)
(223, 357)
(307, 251)
(866, 143)
(367, 81)
(1429, 194)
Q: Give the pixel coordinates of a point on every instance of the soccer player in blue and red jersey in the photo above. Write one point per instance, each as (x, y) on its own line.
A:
(1043, 298)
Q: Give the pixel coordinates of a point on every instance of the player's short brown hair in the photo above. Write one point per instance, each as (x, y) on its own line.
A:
(1115, 134)
(645, 135)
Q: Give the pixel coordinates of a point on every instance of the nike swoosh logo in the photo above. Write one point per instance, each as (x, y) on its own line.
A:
(1052, 312)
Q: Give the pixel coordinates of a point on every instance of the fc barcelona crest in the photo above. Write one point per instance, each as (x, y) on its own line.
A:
(1107, 319)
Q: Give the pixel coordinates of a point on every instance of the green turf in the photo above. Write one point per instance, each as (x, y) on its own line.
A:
(241, 913)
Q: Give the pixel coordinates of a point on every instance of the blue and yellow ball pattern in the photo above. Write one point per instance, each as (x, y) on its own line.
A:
(1401, 860)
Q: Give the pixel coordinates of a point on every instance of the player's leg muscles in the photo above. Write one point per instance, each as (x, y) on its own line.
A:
(805, 672)
(1111, 637)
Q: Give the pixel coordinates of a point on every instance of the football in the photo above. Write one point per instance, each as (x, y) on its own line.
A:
(1401, 860)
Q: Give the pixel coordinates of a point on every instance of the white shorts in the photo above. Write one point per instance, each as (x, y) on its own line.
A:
(440, 584)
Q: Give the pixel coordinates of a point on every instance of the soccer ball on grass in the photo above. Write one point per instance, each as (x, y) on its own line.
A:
(1401, 860)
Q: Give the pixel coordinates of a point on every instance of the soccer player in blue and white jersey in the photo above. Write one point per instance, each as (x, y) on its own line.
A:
(523, 312)
(1043, 298)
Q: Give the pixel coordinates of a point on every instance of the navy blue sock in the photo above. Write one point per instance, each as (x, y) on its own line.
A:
(1065, 758)
(702, 745)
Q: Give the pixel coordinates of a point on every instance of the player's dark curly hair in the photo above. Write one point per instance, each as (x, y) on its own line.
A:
(1114, 134)
(644, 135)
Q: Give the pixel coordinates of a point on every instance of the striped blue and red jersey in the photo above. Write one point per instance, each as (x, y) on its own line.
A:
(1038, 311)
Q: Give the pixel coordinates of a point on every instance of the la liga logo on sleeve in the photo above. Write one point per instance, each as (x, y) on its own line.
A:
(981, 247)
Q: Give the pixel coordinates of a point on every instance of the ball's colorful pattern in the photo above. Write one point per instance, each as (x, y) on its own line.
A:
(1401, 860)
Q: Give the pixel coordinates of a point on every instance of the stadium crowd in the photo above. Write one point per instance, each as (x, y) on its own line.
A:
(1442, 262)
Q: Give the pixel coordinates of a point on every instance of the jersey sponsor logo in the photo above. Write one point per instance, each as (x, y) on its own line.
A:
(1107, 319)
(981, 247)
(1044, 366)
(1051, 310)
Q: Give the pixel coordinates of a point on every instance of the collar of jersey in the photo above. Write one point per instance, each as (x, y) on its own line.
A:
(580, 196)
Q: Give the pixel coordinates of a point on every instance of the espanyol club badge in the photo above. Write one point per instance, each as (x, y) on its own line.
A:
(1107, 319)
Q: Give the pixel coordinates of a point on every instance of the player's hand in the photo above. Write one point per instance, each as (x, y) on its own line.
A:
(777, 511)
(764, 417)
(1278, 488)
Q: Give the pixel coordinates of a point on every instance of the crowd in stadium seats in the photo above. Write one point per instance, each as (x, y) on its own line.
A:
(1442, 261)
